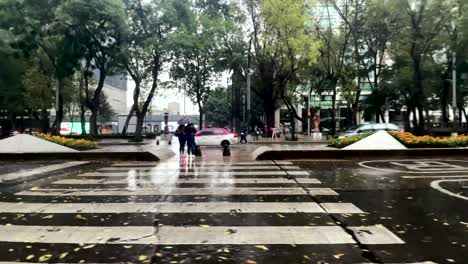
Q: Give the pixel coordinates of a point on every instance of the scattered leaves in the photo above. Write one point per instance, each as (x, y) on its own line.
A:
(338, 256)
(262, 247)
(63, 255)
(142, 258)
(45, 258)
(30, 257)
(280, 216)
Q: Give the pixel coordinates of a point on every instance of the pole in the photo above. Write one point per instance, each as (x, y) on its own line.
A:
(248, 98)
(454, 95)
(243, 109)
(307, 115)
(185, 91)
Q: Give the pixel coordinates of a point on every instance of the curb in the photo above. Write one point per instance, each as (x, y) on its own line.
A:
(81, 156)
(360, 154)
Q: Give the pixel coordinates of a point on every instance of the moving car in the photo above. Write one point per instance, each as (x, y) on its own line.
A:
(215, 137)
(369, 128)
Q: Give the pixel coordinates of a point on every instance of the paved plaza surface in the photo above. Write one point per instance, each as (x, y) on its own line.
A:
(232, 210)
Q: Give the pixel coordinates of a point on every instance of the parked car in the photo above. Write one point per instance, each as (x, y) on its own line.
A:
(215, 137)
(369, 128)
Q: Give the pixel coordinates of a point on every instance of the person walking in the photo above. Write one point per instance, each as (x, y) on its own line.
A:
(256, 132)
(244, 133)
(190, 132)
(179, 133)
(273, 134)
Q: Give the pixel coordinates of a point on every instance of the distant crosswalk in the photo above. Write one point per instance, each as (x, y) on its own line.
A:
(206, 193)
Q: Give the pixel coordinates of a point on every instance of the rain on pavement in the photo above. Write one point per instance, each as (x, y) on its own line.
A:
(207, 210)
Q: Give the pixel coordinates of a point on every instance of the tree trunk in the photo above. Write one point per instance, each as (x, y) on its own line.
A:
(93, 130)
(127, 121)
(200, 126)
(12, 117)
(333, 118)
(45, 124)
(59, 112)
(382, 116)
(406, 119)
(415, 118)
(94, 105)
(293, 128)
(349, 116)
(139, 128)
(421, 120)
(83, 118)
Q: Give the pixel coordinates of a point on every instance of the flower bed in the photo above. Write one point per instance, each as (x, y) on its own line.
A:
(409, 140)
(343, 142)
(412, 141)
(78, 144)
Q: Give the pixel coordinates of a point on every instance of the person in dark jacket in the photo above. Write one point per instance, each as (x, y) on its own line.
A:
(179, 133)
(190, 132)
(244, 133)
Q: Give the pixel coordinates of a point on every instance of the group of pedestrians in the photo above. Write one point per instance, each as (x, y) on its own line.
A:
(186, 136)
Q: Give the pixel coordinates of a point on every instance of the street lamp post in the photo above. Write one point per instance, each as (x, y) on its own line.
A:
(248, 98)
(454, 96)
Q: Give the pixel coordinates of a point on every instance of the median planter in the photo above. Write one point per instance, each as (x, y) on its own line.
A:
(409, 140)
(78, 144)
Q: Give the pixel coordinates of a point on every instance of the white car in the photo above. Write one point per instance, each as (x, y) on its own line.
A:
(215, 137)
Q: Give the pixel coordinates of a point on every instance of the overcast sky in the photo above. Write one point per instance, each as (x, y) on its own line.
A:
(165, 96)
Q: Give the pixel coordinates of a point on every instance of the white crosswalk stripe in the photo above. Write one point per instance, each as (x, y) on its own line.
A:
(227, 191)
(191, 173)
(217, 181)
(189, 207)
(210, 181)
(192, 235)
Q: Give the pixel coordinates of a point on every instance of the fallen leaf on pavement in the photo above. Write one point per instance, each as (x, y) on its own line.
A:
(45, 258)
(262, 247)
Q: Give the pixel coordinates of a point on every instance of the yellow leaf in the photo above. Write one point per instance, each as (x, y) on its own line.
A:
(262, 247)
(78, 216)
(63, 255)
(226, 250)
(158, 254)
(127, 246)
(89, 246)
(204, 226)
(34, 189)
(142, 258)
(48, 217)
(30, 257)
(281, 216)
(45, 258)
(338, 256)
(249, 261)
(306, 257)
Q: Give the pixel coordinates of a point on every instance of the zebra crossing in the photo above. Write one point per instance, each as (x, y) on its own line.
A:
(184, 212)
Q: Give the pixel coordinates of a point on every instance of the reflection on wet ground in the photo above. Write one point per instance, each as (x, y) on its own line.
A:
(203, 211)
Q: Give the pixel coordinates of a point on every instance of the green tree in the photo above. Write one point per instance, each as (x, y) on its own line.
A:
(197, 52)
(148, 47)
(218, 112)
(100, 27)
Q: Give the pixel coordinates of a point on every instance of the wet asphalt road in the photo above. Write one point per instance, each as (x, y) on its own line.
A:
(196, 211)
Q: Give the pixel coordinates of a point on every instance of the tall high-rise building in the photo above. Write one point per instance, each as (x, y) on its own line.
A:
(115, 88)
(173, 108)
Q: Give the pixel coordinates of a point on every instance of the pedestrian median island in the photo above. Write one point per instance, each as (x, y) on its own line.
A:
(25, 147)
(375, 146)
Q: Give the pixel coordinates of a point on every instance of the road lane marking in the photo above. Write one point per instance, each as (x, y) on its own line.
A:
(436, 185)
(434, 177)
(375, 235)
(203, 163)
(341, 208)
(227, 191)
(190, 207)
(163, 181)
(24, 175)
(219, 168)
(191, 173)
(195, 235)
(363, 164)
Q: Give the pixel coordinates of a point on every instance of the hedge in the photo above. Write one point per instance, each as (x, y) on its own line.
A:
(78, 144)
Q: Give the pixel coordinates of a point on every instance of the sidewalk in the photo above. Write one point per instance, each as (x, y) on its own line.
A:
(301, 139)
